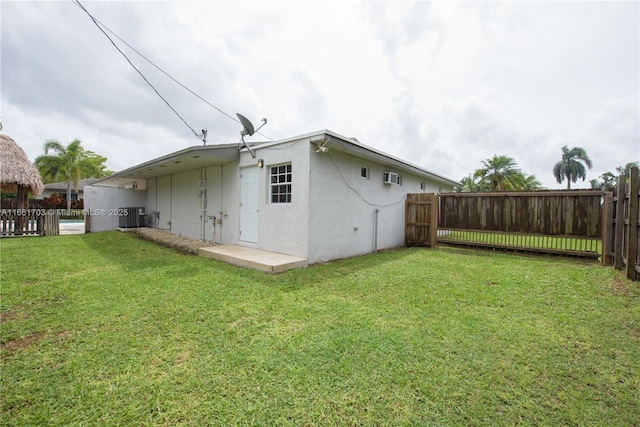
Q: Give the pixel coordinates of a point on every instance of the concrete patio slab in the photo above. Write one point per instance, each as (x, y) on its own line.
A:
(256, 259)
(67, 228)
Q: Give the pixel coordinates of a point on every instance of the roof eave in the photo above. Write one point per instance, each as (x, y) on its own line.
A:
(352, 145)
(189, 158)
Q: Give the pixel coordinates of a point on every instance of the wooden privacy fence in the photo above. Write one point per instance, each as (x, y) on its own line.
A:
(557, 222)
(622, 226)
(585, 223)
(29, 222)
(12, 203)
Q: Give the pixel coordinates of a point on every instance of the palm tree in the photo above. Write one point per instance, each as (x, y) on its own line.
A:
(69, 163)
(501, 173)
(625, 170)
(571, 166)
(472, 184)
(530, 182)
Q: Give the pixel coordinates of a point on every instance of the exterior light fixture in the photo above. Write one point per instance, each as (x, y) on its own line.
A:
(260, 163)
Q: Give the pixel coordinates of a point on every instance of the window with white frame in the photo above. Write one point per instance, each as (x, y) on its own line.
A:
(364, 172)
(422, 186)
(281, 184)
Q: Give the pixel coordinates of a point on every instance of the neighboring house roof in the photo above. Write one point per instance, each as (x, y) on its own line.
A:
(207, 155)
(62, 186)
(16, 167)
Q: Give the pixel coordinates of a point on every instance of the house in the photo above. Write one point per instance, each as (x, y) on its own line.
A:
(61, 189)
(319, 196)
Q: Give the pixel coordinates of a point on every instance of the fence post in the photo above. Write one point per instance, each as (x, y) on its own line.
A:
(607, 230)
(619, 230)
(632, 229)
(433, 228)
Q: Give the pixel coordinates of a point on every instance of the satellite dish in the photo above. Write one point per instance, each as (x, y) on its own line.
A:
(248, 126)
(248, 130)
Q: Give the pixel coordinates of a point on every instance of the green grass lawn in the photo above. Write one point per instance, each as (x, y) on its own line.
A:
(106, 329)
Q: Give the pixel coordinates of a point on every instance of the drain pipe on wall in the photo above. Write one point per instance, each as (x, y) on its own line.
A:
(203, 202)
(375, 230)
(221, 213)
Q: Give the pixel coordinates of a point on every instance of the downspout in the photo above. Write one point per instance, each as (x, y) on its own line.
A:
(375, 230)
(156, 209)
(203, 202)
(221, 202)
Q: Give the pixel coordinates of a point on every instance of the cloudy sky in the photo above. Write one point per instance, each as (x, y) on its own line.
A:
(443, 85)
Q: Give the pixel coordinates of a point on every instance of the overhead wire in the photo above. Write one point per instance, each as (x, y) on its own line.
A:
(364, 199)
(77, 2)
(102, 27)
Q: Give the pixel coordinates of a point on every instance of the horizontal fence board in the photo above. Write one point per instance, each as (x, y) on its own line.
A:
(537, 249)
(566, 245)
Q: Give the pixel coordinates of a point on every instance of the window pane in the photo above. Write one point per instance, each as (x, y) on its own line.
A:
(281, 178)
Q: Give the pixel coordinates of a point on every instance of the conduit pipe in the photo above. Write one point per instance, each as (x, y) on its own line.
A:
(375, 229)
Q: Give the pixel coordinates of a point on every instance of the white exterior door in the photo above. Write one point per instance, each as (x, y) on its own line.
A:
(249, 204)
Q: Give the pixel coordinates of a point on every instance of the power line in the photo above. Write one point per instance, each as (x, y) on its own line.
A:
(364, 199)
(101, 25)
(135, 68)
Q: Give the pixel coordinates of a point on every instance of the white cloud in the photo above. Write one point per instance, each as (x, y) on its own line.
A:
(444, 85)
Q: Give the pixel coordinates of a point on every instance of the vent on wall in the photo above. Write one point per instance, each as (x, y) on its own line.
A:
(391, 178)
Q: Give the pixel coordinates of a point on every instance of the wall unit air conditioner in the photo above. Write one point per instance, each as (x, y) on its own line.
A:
(391, 178)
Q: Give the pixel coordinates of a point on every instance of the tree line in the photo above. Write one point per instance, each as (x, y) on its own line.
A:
(69, 163)
(502, 173)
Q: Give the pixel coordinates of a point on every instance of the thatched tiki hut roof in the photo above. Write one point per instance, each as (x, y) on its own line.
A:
(15, 168)
(18, 173)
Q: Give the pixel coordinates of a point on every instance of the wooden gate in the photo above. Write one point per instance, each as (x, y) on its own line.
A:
(421, 219)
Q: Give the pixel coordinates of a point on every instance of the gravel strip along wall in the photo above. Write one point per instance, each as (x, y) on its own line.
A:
(163, 237)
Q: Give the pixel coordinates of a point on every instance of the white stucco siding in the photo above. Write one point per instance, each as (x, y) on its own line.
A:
(179, 201)
(185, 204)
(104, 204)
(283, 227)
(160, 200)
(343, 205)
(152, 195)
(222, 202)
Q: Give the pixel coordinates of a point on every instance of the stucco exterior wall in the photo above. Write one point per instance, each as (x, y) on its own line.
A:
(222, 203)
(283, 227)
(345, 207)
(180, 203)
(185, 204)
(104, 202)
(159, 200)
